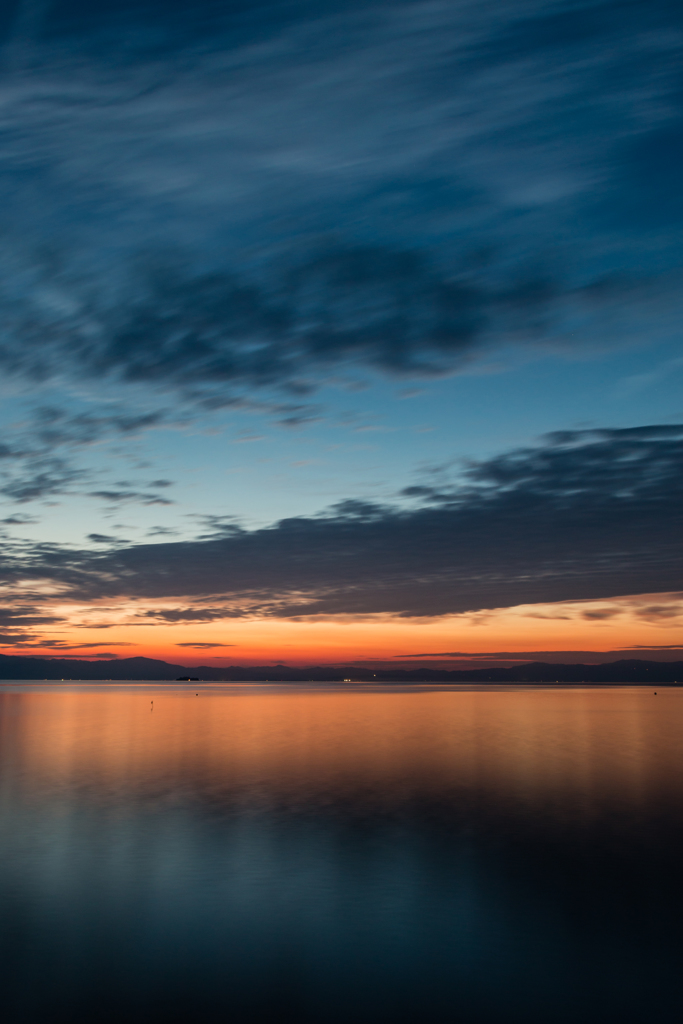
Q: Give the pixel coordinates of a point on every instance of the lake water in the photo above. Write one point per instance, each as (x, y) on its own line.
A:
(243, 853)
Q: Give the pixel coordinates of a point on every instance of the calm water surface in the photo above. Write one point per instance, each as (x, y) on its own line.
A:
(244, 853)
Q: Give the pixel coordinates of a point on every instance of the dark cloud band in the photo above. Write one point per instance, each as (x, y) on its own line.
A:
(586, 515)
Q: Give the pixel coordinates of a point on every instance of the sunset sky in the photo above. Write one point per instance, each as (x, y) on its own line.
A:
(339, 333)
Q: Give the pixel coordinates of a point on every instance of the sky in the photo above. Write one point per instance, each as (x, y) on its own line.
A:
(341, 333)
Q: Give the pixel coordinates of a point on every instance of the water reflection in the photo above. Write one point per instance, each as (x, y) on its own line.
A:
(495, 856)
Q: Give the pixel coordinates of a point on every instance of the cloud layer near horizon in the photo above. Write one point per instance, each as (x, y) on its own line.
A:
(588, 514)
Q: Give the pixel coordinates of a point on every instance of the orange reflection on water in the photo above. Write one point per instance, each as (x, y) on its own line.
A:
(535, 751)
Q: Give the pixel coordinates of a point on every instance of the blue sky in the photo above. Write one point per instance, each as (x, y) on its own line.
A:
(260, 260)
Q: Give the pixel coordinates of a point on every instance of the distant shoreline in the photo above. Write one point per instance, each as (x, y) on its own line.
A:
(17, 668)
(347, 684)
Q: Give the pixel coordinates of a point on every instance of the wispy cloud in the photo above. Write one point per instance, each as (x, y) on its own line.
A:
(203, 646)
(40, 458)
(121, 497)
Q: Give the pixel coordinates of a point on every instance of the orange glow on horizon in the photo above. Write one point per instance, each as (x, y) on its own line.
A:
(604, 625)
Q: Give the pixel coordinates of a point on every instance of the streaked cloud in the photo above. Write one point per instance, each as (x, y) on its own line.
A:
(203, 646)
(392, 186)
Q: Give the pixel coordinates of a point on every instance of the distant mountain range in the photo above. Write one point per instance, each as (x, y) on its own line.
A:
(626, 671)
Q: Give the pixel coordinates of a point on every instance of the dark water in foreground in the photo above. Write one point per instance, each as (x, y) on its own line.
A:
(327, 855)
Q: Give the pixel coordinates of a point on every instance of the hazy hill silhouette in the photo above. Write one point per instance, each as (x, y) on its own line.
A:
(624, 671)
